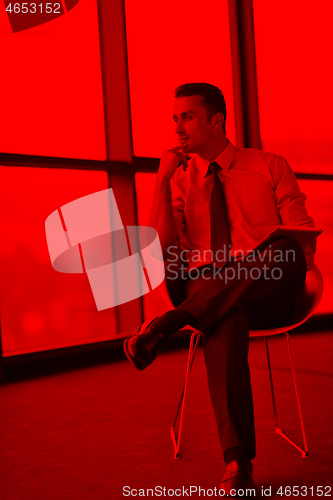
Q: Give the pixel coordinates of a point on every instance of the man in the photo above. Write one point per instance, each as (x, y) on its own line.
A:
(215, 207)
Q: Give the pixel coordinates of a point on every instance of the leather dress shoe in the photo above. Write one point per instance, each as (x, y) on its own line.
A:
(238, 476)
(142, 348)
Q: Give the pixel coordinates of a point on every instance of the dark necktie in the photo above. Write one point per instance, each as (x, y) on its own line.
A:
(220, 238)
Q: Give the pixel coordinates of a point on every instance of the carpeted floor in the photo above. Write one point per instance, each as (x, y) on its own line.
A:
(85, 429)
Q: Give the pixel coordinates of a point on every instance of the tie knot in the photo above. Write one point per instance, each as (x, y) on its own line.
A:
(214, 167)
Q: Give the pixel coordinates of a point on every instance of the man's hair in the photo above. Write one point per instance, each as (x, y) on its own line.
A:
(213, 97)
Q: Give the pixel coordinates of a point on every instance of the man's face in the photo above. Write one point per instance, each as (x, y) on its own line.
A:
(195, 132)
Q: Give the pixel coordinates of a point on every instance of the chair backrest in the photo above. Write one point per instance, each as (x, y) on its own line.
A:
(305, 304)
(309, 297)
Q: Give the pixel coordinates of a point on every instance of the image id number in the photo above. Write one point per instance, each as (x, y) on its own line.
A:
(313, 491)
(32, 8)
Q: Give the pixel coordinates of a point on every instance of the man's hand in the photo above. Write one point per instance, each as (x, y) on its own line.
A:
(171, 160)
(308, 253)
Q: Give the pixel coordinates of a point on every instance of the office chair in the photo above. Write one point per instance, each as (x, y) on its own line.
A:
(305, 304)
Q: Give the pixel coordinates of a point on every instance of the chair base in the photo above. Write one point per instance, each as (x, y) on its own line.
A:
(194, 342)
(176, 446)
(304, 453)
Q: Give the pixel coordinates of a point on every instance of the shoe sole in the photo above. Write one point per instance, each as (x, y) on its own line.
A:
(130, 357)
(246, 485)
(139, 366)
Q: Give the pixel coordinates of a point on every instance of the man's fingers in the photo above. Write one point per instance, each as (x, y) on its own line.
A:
(307, 249)
(309, 265)
(184, 163)
(176, 149)
(180, 151)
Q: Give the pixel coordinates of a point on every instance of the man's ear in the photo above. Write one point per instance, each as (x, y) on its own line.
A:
(218, 119)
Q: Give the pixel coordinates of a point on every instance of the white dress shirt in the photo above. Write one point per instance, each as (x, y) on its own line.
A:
(261, 193)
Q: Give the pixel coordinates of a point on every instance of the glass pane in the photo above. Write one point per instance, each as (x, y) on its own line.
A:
(41, 308)
(294, 50)
(170, 44)
(51, 96)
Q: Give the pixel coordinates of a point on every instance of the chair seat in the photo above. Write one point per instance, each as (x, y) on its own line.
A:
(305, 303)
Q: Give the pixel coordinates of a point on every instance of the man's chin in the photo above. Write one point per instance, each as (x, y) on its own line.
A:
(188, 149)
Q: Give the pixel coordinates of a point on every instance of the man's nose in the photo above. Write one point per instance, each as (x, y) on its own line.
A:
(179, 127)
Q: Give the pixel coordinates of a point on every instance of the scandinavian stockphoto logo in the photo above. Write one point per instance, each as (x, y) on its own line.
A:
(25, 15)
(87, 236)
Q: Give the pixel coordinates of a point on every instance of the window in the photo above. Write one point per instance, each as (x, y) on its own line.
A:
(170, 44)
(51, 89)
(293, 52)
(40, 308)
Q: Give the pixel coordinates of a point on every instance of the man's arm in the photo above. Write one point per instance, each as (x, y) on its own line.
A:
(291, 203)
(161, 215)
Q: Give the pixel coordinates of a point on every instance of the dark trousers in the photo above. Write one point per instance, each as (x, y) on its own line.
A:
(246, 294)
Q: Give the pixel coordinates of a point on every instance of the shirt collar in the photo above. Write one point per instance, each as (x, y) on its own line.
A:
(224, 159)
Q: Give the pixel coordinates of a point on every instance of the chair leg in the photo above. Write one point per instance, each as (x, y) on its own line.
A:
(305, 452)
(194, 342)
(271, 384)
